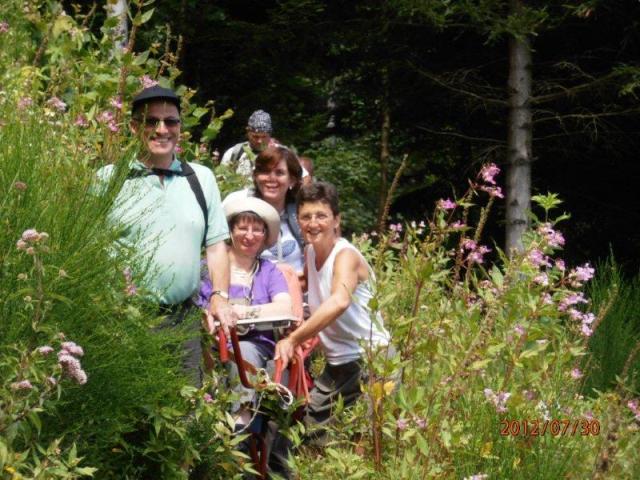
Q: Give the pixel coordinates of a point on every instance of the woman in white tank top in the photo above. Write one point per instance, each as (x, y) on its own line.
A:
(338, 279)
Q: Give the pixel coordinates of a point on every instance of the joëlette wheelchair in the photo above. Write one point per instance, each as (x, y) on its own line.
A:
(299, 380)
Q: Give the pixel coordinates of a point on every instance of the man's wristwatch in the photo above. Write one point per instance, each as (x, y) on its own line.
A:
(222, 294)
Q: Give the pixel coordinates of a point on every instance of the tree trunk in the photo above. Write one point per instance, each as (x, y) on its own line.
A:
(384, 153)
(119, 8)
(518, 187)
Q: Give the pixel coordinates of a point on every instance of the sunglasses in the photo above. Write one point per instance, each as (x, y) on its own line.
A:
(152, 122)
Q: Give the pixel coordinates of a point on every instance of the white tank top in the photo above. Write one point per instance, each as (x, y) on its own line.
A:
(341, 339)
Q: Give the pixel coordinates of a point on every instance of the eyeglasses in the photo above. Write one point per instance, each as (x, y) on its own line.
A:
(152, 122)
(244, 231)
(318, 217)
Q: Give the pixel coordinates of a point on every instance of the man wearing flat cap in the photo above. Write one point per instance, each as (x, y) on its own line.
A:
(168, 210)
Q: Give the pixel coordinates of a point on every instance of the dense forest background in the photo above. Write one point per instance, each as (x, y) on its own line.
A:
(331, 73)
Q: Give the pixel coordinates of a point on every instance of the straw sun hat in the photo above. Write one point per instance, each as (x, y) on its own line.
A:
(266, 212)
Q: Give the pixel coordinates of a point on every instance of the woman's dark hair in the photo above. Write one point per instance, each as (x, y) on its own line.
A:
(250, 217)
(324, 192)
(267, 161)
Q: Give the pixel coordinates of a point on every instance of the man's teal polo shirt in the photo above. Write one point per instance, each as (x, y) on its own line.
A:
(164, 223)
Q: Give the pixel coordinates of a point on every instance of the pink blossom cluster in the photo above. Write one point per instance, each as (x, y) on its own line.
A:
(576, 373)
(24, 103)
(488, 172)
(553, 238)
(402, 424)
(634, 406)
(107, 118)
(476, 252)
(44, 350)
(67, 358)
(147, 82)
(581, 274)
(21, 385)
(446, 204)
(538, 258)
(81, 121)
(130, 290)
(4, 27)
(418, 227)
(116, 102)
(29, 239)
(499, 399)
(56, 103)
(207, 398)
(396, 229)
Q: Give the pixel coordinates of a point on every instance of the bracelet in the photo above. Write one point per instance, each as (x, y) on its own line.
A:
(220, 293)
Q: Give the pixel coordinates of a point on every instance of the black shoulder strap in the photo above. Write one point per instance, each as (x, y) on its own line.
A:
(191, 177)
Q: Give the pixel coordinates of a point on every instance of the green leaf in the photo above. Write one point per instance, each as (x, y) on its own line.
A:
(146, 16)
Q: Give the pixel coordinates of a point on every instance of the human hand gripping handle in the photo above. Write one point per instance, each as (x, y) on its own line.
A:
(221, 311)
(285, 350)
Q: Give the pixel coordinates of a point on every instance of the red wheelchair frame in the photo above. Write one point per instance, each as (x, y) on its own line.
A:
(299, 380)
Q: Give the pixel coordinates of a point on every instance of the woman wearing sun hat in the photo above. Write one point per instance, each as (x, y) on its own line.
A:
(256, 288)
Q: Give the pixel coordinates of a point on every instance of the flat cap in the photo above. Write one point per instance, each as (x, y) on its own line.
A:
(155, 93)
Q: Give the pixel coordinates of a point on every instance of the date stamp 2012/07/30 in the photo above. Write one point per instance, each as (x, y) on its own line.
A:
(563, 427)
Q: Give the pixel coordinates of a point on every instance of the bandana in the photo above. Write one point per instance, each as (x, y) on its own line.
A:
(260, 121)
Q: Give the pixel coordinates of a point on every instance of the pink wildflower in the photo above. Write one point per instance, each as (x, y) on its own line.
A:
(207, 398)
(113, 126)
(519, 329)
(499, 399)
(634, 406)
(560, 265)
(493, 191)
(45, 350)
(21, 245)
(401, 424)
(21, 385)
(24, 103)
(588, 415)
(30, 251)
(571, 299)
(115, 102)
(420, 422)
(20, 186)
(529, 395)
(81, 121)
(457, 225)
(553, 238)
(147, 82)
(588, 318)
(105, 116)
(4, 27)
(131, 290)
(72, 348)
(583, 273)
(541, 279)
(537, 258)
(477, 256)
(469, 244)
(488, 172)
(56, 103)
(576, 373)
(547, 299)
(52, 381)
(446, 204)
(80, 377)
(586, 330)
(477, 476)
(30, 235)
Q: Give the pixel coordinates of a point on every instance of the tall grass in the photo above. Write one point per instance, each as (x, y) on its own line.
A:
(619, 331)
(47, 183)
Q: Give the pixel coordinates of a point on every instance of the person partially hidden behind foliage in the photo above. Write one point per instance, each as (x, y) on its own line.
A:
(241, 156)
(339, 288)
(168, 210)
